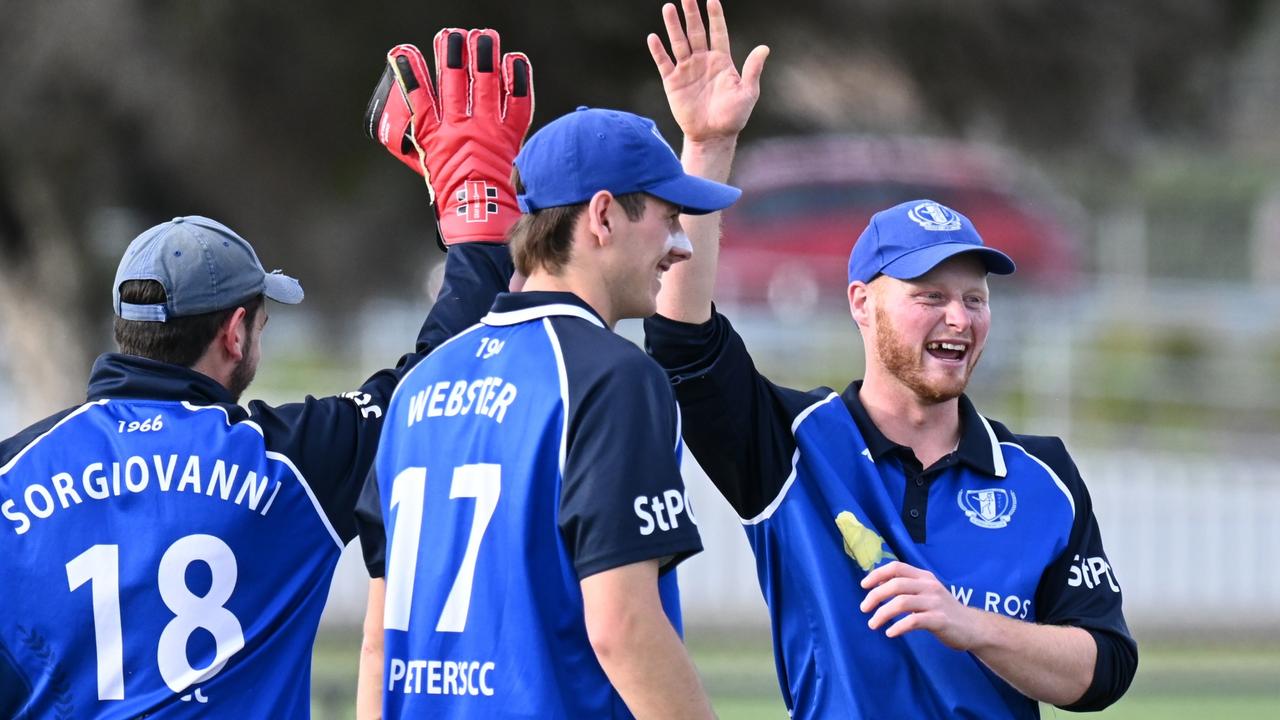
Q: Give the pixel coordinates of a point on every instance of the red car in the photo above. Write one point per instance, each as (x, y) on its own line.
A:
(806, 200)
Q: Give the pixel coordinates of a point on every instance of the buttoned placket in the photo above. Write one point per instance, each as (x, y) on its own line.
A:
(915, 496)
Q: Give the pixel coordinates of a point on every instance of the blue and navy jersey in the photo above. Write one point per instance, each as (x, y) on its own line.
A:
(1004, 521)
(154, 541)
(529, 452)
(166, 552)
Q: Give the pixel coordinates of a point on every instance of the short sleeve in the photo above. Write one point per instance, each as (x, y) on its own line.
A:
(373, 534)
(622, 499)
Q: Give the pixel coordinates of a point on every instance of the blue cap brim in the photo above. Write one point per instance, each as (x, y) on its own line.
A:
(914, 264)
(282, 288)
(695, 195)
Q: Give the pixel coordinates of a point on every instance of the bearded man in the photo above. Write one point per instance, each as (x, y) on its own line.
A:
(918, 559)
(166, 550)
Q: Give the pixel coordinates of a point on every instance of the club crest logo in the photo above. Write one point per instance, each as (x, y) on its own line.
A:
(477, 200)
(989, 508)
(935, 217)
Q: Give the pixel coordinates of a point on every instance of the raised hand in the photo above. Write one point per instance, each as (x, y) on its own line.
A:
(709, 99)
(459, 126)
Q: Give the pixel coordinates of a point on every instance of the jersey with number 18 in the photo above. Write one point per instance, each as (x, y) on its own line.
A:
(171, 527)
(166, 552)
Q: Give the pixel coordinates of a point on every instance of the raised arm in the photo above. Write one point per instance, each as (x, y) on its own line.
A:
(711, 102)
(459, 128)
(460, 131)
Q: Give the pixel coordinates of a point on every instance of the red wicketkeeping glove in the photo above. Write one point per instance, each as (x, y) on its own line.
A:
(463, 138)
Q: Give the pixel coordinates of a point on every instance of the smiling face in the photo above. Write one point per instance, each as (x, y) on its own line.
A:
(926, 334)
(644, 249)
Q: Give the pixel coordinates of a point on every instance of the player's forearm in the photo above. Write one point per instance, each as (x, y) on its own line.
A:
(648, 664)
(638, 648)
(687, 288)
(710, 159)
(1048, 663)
(369, 682)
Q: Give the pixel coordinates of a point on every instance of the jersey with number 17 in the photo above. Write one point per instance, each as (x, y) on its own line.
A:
(532, 451)
(182, 550)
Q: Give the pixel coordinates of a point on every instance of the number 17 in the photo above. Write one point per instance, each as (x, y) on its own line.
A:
(481, 481)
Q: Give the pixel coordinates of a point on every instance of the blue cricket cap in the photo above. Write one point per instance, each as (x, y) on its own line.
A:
(908, 240)
(202, 265)
(593, 149)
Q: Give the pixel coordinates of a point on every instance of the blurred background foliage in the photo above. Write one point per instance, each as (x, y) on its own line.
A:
(1153, 123)
(121, 113)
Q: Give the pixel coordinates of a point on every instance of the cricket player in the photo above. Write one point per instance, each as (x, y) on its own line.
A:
(164, 550)
(526, 506)
(917, 558)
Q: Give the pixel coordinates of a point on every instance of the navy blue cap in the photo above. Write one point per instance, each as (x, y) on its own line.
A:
(908, 240)
(203, 265)
(581, 153)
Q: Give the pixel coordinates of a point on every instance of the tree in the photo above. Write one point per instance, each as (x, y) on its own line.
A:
(249, 112)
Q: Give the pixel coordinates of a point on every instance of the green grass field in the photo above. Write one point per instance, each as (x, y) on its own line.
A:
(1174, 682)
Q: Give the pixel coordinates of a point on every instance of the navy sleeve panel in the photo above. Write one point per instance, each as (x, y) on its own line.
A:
(474, 274)
(737, 423)
(332, 440)
(1116, 665)
(373, 534)
(10, 448)
(14, 688)
(1080, 589)
(622, 498)
(330, 444)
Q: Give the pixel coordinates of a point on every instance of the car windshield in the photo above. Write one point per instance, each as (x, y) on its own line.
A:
(818, 199)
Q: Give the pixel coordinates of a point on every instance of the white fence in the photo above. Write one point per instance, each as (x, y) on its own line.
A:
(1194, 544)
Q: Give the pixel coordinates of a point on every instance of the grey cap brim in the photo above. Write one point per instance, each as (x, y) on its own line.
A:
(695, 195)
(282, 288)
(917, 263)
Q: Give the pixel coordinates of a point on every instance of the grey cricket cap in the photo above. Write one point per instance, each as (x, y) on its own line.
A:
(203, 266)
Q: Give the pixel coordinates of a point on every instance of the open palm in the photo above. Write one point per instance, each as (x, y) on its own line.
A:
(709, 98)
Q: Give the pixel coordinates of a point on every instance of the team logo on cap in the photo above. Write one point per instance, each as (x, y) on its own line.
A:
(477, 200)
(990, 508)
(932, 216)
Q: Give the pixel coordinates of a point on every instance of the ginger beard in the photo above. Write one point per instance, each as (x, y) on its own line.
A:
(906, 363)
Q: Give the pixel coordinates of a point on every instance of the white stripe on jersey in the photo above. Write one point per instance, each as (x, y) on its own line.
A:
(314, 502)
(32, 444)
(196, 408)
(564, 388)
(997, 457)
(679, 428)
(795, 460)
(1052, 474)
(515, 317)
(273, 455)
